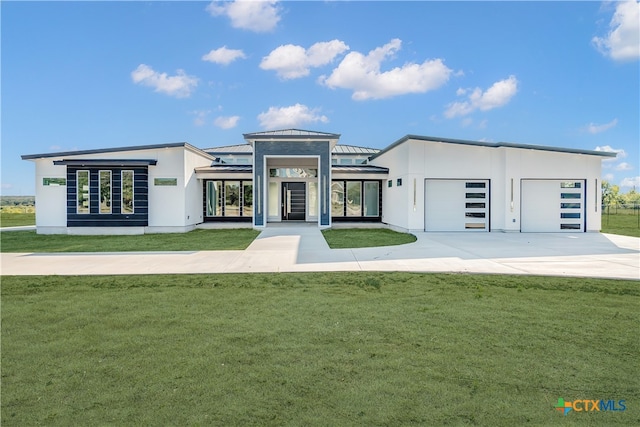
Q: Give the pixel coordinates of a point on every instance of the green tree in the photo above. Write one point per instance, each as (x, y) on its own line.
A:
(610, 194)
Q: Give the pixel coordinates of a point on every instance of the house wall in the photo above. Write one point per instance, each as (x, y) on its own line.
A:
(193, 187)
(413, 161)
(51, 201)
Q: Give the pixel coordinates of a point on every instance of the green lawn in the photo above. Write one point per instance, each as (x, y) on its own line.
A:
(318, 349)
(623, 221)
(17, 219)
(196, 240)
(339, 238)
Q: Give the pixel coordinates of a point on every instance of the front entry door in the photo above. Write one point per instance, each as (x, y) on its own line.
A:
(293, 201)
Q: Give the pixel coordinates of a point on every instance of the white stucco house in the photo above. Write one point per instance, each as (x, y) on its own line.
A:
(417, 183)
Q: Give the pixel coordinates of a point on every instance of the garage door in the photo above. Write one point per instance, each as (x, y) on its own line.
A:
(456, 205)
(552, 205)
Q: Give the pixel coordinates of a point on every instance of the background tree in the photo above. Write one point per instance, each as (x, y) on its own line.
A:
(610, 194)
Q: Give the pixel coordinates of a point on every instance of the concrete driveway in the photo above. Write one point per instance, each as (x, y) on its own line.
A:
(295, 249)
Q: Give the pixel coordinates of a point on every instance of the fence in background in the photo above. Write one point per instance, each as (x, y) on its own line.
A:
(626, 215)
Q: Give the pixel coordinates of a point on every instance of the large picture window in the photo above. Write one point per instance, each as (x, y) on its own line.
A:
(214, 207)
(228, 199)
(82, 185)
(247, 199)
(354, 198)
(126, 192)
(232, 198)
(371, 198)
(105, 192)
(337, 198)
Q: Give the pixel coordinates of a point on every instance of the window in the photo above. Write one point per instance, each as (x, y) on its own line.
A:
(232, 198)
(354, 198)
(54, 182)
(312, 200)
(475, 195)
(82, 190)
(371, 198)
(475, 205)
(247, 199)
(126, 192)
(214, 207)
(346, 161)
(570, 195)
(337, 198)
(171, 182)
(570, 185)
(390, 183)
(105, 192)
(293, 172)
(474, 214)
(570, 205)
(399, 182)
(569, 226)
(274, 208)
(570, 215)
(475, 185)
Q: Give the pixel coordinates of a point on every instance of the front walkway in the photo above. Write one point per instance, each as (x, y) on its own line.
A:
(302, 248)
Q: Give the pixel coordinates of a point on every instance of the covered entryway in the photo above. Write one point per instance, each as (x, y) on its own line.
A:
(293, 201)
(456, 205)
(552, 205)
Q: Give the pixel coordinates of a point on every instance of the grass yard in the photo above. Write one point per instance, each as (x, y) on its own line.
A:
(624, 221)
(327, 349)
(17, 219)
(196, 240)
(339, 238)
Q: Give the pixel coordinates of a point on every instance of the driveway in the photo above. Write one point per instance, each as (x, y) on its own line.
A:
(296, 249)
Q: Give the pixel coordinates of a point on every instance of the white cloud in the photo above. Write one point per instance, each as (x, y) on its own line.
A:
(623, 41)
(226, 122)
(255, 15)
(290, 117)
(292, 61)
(201, 117)
(181, 85)
(608, 177)
(624, 166)
(362, 74)
(498, 95)
(223, 55)
(620, 153)
(631, 182)
(594, 128)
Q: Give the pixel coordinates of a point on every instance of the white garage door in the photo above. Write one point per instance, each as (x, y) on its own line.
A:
(456, 205)
(552, 205)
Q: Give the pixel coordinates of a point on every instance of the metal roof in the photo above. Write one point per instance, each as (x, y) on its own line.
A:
(359, 169)
(230, 149)
(226, 168)
(114, 150)
(290, 133)
(335, 168)
(248, 149)
(353, 149)
(492, 145)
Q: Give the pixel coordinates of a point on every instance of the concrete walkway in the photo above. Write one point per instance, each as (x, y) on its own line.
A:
(302, 248)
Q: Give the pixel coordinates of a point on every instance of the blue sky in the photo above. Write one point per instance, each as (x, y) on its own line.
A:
(84, 75)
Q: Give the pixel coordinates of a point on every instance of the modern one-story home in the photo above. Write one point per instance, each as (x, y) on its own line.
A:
(417, 183)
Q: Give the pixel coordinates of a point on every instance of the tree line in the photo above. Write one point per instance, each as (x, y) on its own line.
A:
(611, 196)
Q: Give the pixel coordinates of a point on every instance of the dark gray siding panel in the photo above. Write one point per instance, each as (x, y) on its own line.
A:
(294, 148)
(140, 215)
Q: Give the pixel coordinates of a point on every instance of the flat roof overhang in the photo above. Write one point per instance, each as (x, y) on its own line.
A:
(106, 162)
